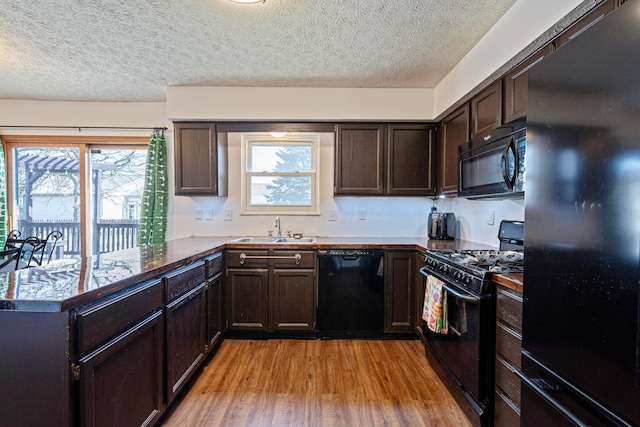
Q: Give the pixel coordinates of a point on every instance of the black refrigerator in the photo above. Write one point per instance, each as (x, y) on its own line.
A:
(581, 357)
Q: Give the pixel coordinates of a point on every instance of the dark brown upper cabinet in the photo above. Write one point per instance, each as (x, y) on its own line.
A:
(454, 130)
(410, 154)
(376, 159)
(359, 159)
(516, 81)
(200, 160)
(486, 109)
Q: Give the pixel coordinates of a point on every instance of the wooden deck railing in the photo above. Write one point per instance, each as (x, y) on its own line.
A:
(111, 235)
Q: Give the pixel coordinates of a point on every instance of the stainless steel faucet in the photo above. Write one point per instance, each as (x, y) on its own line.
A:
(278, 226)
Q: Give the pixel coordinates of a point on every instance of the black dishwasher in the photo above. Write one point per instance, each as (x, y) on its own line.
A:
(350, 293)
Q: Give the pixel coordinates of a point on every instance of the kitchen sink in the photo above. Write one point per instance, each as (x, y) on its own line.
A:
(270, 240)
(294, 240)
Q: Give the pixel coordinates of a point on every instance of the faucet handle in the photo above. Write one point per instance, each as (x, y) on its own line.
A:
(270, 233)
(288, 233)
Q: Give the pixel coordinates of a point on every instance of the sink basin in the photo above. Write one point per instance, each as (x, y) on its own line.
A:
(294, 240)
(254, 240)
(270, 240)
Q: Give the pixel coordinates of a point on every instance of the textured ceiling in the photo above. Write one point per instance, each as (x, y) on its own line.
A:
(119, 50)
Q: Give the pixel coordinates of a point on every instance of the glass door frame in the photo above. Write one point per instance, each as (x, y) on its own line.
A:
(84, 144)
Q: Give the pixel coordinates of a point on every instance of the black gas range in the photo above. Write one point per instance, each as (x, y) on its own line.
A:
(472, 269)
(464, 346)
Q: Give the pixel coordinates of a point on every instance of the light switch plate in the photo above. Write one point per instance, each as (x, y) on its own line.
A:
(362, 214)
(333, 215)
(208, 214)
(198, 213)
(228, 214)
(491, 216)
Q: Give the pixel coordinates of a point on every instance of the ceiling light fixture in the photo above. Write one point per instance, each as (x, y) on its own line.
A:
(248, 1)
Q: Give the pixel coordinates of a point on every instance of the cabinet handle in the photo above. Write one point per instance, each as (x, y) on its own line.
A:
(244, 257)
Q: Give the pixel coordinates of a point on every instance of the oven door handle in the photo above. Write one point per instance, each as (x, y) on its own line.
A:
(471, 299)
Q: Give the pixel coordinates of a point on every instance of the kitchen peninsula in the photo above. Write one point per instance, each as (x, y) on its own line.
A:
(80, 327)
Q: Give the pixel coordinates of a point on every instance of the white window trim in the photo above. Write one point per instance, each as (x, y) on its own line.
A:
(308, 138)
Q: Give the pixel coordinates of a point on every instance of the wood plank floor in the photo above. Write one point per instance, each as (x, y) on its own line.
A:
(317, 383)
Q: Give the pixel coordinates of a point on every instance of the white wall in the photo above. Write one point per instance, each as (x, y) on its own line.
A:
(525, 21)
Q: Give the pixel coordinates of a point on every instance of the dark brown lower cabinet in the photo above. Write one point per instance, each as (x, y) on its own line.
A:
(293, 299)
(186, 327)
(247, 295)
(400, 274)
(121, 382)
(508, 356)
(214, 310)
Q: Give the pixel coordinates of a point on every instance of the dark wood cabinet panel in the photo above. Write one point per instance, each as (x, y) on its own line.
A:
(121, 383)
(516, 90)
(508, 355)
(359, 159)
(410, 154)
(400, 276)
(104, 319)
(200, 160)
(292, 303)
(214, 311)
(247, 297)
(185, 319)
(486, 109)
(454, 130)
(420, 285)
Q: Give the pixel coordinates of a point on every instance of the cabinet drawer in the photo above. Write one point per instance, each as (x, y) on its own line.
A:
(508, 344)
(183, 280)
(507, 381)
(213, 264)
(287, 259)
(105, 319)
(509, 308)
(506, 414)
(254, 258)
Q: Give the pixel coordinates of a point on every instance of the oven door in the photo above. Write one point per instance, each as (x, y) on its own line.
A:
(492, 169)
(465, 350)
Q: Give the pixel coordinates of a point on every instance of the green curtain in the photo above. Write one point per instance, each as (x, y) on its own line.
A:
(155, 197)
(3, 198)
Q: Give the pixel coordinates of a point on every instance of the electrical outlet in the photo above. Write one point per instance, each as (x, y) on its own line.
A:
(491, 216)
(228, 214)
(333, 215)
(362, 214)
(198, 213)
(208, 214)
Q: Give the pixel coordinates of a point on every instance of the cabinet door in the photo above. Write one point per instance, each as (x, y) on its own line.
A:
(199, 160)
(247, 296)
(400, 270)
(293, 296)
(185, 338)
(486, 109)
(516, 86)
(410, 160)
(454, 130)
(214, 311)
(359, 159)
(419, 286)
(121, 383)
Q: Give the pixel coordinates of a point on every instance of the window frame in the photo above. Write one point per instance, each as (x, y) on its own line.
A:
(84, 144)
(250, 139)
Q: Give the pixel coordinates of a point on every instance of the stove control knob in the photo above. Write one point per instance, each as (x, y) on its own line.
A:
(466, 280)
(457, 275)
(444, 269)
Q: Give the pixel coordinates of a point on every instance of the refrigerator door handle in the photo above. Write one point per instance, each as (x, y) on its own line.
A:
(534, 385)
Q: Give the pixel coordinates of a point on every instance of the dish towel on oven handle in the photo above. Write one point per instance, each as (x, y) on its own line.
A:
(434, 310)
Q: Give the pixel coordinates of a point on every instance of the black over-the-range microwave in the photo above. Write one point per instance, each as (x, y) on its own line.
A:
(491, 165)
